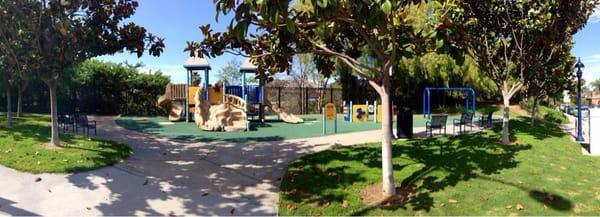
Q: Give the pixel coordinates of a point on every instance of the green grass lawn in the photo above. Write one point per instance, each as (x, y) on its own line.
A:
(543, 174)
(21, 149)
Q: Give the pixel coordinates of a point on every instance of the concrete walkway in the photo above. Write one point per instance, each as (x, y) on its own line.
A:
(166, 177)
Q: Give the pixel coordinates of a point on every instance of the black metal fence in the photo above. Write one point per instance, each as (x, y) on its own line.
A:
(130, 100)
(306, 100)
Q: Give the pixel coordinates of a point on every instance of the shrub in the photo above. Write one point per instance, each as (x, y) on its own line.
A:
(555, 116)
(109, 89)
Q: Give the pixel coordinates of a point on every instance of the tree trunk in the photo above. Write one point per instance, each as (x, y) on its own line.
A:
(505, 118)
(55, 141)
(386, 145)
(20, 102)
(8, 106)
(534, 110)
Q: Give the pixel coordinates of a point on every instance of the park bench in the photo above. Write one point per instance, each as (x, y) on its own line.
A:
(436, 122)
(82, 121)
(65, 121)
(466, 118)
(486, 120)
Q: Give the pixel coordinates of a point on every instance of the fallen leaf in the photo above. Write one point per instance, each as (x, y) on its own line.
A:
(38, 179)
(485, 197)
(204, 194)
(345, 203)
(290, 207)
(452, 201)
(293, 191)
(546, 207)
(508, 207)
(520, 207)
(232, 211)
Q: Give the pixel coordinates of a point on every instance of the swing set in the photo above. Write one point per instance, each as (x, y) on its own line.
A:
(468, 92)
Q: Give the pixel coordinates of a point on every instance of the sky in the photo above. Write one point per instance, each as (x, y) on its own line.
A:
(178, 21)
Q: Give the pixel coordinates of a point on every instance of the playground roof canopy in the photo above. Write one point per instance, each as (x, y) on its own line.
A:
(248, 66)
(196, 63)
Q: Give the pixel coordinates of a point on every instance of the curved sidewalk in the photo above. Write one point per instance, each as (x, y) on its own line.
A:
(166, 177)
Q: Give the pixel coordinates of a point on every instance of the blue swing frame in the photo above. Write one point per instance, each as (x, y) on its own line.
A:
(469, 101)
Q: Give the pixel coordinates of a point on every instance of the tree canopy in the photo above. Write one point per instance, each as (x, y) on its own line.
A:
(330, 30)
(508, 38)
(62, 34)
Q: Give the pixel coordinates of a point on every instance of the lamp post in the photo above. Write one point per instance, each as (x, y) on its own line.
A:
(579, 66)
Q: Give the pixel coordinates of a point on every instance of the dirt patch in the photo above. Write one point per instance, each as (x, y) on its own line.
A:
(50, 146)
(372, 196)
(517, 109)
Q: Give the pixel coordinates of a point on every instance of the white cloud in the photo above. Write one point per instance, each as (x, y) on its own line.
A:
(594, 58)
(595, 17)
(591, 72)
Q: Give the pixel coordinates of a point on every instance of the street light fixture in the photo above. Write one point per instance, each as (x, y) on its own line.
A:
(579, 66)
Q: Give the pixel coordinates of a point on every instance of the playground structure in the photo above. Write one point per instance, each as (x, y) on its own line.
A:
(361, 112)
(469, 99)
(215, 108)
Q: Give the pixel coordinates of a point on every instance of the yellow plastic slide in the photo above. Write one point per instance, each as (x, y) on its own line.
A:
(286, 117)
(175, 108)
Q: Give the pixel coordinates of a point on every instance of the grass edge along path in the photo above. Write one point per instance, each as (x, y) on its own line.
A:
(544, 173)
(21, 148)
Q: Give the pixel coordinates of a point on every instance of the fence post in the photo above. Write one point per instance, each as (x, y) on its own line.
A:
(279, 96)
(301, 99)
(306, 101)
(331, 94)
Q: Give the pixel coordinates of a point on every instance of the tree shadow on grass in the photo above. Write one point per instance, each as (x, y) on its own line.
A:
(553, 200)
(521, 125)
(35, 131)
(445, 162)
(449, 161)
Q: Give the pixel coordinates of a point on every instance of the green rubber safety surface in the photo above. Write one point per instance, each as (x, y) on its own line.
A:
(271, 130)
